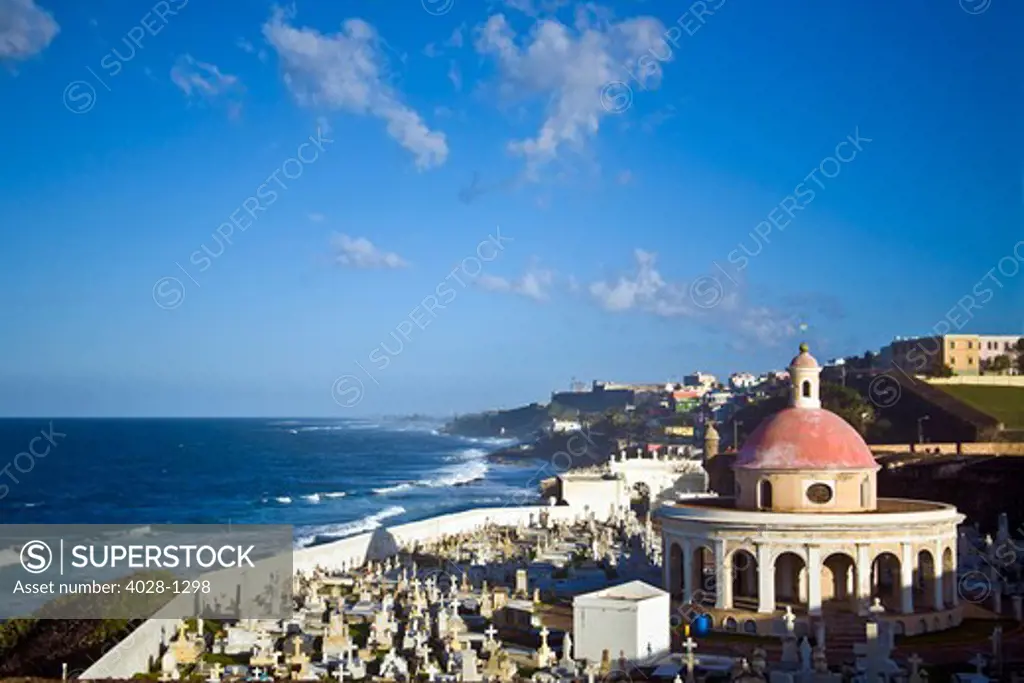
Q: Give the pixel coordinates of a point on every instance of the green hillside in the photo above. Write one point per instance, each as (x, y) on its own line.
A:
(1005, 404)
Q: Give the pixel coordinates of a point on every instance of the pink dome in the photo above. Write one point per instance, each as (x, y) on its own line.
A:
(805, 439)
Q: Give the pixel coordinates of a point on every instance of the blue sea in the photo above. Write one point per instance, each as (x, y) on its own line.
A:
(328, 478)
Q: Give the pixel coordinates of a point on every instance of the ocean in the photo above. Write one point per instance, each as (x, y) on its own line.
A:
(328, 478)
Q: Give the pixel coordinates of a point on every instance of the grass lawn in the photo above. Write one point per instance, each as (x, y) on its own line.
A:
(1005, 404)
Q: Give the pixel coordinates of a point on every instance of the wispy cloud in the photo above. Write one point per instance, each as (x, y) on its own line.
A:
(645, 290)
(317, 217)
(204, 81)
(566, 68)
(534, 284)
(246, 46)
(359, 252)
(348, 71)
(25, 29)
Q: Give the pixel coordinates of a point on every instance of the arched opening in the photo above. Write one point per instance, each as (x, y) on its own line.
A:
(790, 579)
(885, 581)
(764, 494)
(839, 581)
(807, 388)
(924, 581)
(675, 571)
(744, 580)
(948, 577)
(702, 581)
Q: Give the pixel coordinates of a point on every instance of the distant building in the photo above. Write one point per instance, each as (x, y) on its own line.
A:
(927, 355)
(597, 401)
(994, 345)
(700, 379)
(637, 388)
(565, 426)
(742, 380)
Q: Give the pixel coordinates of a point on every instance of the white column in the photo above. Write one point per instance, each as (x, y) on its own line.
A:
(939, 599)
(906, 578)
(813, 580)
(666, 564)
(863, 571)
(953, 576)
(687, 570)
(723, 577)
(765, 579)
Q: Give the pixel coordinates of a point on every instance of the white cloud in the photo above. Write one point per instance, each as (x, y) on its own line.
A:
(205, 81)
(317, 217)
(534, 284)
(359, 252)
(348, 71)
(624, 177)
(568, 68)
(25, 29)
(245, 46)
(454, 75)
(646, 291)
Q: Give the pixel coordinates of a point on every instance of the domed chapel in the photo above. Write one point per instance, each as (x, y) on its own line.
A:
(806, 530)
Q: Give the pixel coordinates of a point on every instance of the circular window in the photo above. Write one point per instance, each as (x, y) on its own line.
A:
(819, 493)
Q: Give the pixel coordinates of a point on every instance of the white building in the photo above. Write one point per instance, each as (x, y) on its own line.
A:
(993, 345)
(743, 380)
(565, 426)
(630, 620)
(807, 530)
(663, 477)
(700, 379)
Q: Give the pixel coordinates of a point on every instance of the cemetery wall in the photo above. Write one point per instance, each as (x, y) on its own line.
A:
(134, 654)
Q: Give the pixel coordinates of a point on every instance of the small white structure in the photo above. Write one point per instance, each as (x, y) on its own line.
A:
(632, 618)
(743, 380)
(565, 426)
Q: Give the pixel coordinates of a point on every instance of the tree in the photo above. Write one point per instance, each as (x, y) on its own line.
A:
(844, 401)
(943, 371)
(999, 364)
(1019, 350)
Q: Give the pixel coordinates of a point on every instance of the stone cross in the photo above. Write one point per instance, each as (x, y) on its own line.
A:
(491, 631)
(915, 663)
(978, 662)
(689, 644)
(876, 609)
(789, 618)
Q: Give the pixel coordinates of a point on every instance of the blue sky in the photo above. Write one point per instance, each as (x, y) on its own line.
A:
(363, 158)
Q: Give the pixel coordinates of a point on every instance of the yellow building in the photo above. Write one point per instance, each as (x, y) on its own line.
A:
(679, 430)
(962, 352)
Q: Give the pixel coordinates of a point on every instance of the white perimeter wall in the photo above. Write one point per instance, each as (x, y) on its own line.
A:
(133, 654)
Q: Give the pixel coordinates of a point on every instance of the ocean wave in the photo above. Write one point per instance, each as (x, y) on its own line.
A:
(472, 467)
(336, 531)
(334, 494)
(498, 441)
(467, 454)
(394, 489)
(284, 500)
(312, 498)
